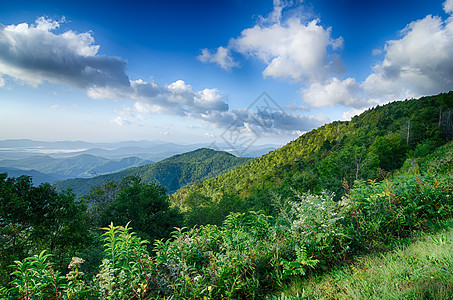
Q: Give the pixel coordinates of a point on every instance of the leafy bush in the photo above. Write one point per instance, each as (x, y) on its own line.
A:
(381, 212)
(35, 279)
(145, 206)
(251, 254)
(244, 257)
(124, 272)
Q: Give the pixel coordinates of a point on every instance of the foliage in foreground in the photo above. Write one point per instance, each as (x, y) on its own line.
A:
(36, 218)
(421, 270)
(251, 254)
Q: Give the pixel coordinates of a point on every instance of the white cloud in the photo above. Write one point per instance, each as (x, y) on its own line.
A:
(144, 108)
(294, 107)
(179, 87)
(334, 91)
(120, 121)
(34, 53)
(291, 51)
(178, 98)
(376, 52)
(417, 64)
(271, 123)
(221, 56)
(210, 99)
(448, 6)
(301, 50)
(290, 48)
(37, 53)
(47, 24)
(348, 115)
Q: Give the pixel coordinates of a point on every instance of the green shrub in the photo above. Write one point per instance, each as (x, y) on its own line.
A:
(251, 254)
(382, 212)
(124, 272)
(34, 278)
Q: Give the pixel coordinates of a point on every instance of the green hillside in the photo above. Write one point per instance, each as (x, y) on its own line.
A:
(266, 230)
(370, 146)
(171, 173)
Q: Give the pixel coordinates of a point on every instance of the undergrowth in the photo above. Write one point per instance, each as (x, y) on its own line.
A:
(421, 270)
(253, 255)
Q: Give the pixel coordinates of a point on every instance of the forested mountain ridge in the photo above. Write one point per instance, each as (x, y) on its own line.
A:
(255, 235)
(83, 165)
(171, 173)
(370, 146)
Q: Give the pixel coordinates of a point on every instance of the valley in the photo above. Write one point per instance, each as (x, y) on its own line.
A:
(265, 227)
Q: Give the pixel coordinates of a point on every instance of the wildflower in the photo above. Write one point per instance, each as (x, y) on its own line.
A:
(75, 262)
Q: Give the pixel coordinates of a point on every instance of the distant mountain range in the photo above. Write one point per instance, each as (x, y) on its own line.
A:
(172, 173)
(60, 160)
(37, 176)
(146, 150)
(44, 168)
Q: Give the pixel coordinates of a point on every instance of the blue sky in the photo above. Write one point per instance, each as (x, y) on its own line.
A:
(195, 71)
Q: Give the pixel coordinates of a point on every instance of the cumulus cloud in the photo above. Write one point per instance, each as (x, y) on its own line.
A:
(348, 115)
(299, 49)
(34, 53)
(263, 122)
(448, 6)
(38, 53)
(417, 64)
(209, 107)
(291, 48)
(221, 57)
(334, 91)
(177, 98)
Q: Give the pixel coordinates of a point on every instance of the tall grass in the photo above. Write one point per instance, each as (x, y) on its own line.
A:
(421, 270)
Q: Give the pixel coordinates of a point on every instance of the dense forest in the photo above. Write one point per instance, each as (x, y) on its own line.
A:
(344, 189)
(370, 146)
(171, 173)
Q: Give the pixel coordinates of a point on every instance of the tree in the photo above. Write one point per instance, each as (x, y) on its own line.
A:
(391, 151)
(145, 206)
(202, 210)
(33, 219)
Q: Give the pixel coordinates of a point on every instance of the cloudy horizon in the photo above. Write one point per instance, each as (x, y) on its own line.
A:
(61, 79)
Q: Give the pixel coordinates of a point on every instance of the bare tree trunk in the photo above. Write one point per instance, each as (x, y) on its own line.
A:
(358, 162)
(408, 131)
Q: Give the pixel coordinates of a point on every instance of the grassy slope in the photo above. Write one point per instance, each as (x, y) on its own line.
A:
(421, 270)
(440, 161)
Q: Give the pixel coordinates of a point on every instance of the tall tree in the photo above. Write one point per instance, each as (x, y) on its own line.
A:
(145, 206)
(37, 218)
